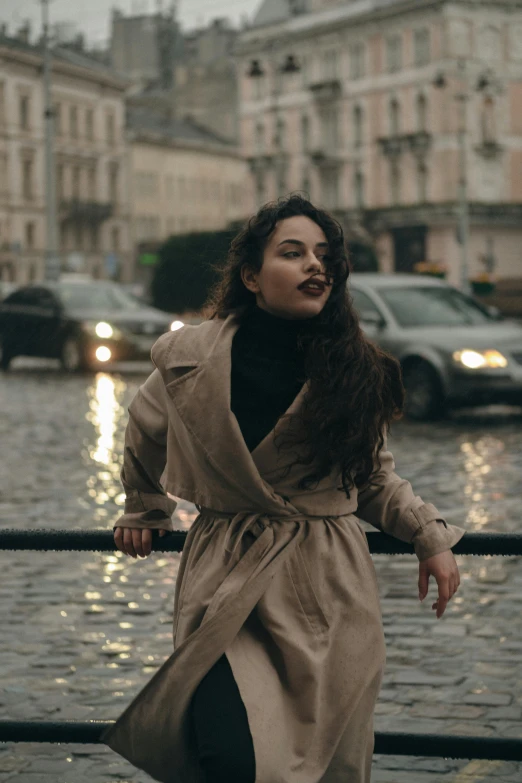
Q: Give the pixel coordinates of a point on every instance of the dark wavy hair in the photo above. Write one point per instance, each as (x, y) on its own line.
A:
(355, 389)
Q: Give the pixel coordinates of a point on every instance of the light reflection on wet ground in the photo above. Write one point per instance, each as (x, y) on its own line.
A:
(81, 632)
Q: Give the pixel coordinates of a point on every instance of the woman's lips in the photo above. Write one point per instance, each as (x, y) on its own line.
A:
(312, 291)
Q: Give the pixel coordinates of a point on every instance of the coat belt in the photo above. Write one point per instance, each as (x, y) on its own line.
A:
(244, 521)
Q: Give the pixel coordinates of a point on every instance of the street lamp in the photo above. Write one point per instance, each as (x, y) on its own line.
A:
(289, 66)
(462, 97)
(52, 262)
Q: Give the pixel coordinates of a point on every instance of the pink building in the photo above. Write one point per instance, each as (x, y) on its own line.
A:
(360, 104)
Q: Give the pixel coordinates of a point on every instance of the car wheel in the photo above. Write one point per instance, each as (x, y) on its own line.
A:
(72, 355)
(6, 356)
(424, 399)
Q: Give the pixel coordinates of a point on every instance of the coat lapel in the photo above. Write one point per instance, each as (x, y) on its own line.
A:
(200, 366)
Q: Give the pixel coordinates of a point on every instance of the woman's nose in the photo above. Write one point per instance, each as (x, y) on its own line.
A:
(312, 262)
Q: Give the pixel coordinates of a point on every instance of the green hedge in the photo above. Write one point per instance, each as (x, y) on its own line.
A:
(184, 274)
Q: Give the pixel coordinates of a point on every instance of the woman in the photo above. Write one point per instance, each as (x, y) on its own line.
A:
(271, 416)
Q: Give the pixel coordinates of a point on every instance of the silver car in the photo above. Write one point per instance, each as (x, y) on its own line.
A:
(453, 350)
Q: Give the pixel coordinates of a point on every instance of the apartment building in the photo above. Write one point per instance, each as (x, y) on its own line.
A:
(90, 158)
(364, 103)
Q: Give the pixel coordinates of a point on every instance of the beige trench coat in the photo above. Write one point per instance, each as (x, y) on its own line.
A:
(279, 579)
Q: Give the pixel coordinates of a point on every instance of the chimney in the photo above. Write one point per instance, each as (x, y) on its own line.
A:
(24, 32)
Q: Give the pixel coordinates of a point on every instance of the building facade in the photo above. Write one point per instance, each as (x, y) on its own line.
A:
(205, 81)
(364, 106)
(145, 47)
(183, 178)
(91, 165)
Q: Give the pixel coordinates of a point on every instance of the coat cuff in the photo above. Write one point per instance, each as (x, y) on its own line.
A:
(433, 535)
(144, 510)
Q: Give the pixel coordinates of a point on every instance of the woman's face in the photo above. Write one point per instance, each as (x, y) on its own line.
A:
(294, 253)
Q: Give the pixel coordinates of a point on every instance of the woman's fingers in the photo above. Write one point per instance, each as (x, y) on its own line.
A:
(135, 541)
(118, 539)
(128, 542)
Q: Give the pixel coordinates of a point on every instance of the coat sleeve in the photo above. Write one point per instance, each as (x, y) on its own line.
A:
(146, 503)
(388, 503)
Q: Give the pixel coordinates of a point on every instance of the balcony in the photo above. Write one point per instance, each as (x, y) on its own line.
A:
(85, 211)
(326, 91)
(417, 143)
(259, 163)
(325, 157)
(489, 149)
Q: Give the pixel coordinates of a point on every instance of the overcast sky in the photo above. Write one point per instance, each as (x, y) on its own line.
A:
(92, 17)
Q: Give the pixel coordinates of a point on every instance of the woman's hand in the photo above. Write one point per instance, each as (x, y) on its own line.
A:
(134, 541)
(445, 570)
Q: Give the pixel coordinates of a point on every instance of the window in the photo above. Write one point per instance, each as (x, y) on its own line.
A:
(58, 118)
(2, 104)
(280, 137)
(306, 184)
(78, 236)
(488, 123)
(357, 69)
(89, 124)
(421, 46)
(260, 138)
(359, 189)
(24, 108)
(169, 186)
(147, 227)
(394, 53)
(3, 174)
(60, 192)
(113, 183)
(27, 178)
(330, 65)
(115, 238)
(357, 126)
(73, 122)
(259, 87)
(94, 236)
(331, 129)
(305, 70)
(76, 182)
(363, 304)
(422, 182)
(29, 235)
(422, 114)
(394, 117)
(433, 307)
(395, 181)
(91, 184)
(305, 133)
(110, 128)
(330, 189)
(147, 183)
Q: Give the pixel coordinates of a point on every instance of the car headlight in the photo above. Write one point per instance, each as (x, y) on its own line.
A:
(478, 360)
(102, 330)
(175, 325)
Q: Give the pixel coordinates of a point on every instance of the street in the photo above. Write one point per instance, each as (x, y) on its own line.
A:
(83, 632)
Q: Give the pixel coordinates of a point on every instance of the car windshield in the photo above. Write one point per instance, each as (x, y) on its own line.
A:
(433, 306)
(96, 296)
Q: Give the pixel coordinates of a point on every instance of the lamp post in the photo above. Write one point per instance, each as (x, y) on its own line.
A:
(52, 261)
(462, 97)
(290, 65)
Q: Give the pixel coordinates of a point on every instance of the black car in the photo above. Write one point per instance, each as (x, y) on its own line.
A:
(85, 324)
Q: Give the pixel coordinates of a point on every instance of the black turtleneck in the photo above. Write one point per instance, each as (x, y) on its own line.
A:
(267, 371)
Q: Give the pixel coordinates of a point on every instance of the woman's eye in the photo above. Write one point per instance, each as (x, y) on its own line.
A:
(291, 254)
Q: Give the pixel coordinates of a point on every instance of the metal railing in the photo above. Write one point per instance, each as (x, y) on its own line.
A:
(387, 743)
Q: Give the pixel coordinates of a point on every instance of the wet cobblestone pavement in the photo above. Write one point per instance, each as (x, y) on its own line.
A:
(82, 632)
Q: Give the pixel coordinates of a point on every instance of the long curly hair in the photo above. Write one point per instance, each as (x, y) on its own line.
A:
(354, 388)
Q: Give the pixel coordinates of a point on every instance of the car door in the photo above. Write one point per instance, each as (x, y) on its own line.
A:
(29, 319)
(372, 319)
